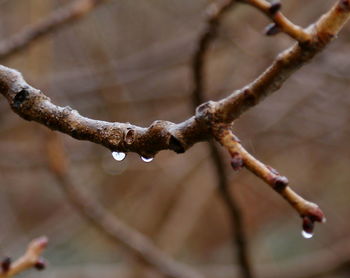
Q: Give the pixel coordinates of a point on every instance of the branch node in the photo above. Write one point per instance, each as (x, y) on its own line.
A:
(6, 264)
(129, 136)
(272, 29)
(275, 8)
(176, 145)
(280, 183)
(40, 264)
(20, 97)
(237, 161)
(344, 5)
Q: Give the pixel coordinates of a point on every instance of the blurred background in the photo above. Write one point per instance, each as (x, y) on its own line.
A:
(130, 61)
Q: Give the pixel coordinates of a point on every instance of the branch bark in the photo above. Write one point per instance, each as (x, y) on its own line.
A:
(31, 104)
(31, 258)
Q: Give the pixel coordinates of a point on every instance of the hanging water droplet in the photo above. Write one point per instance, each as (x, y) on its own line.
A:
(306, 234)
(119, 156)
(147, 159)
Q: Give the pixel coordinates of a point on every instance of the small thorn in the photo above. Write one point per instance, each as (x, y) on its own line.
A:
(272, 29)
(6, 264)
(274, 8)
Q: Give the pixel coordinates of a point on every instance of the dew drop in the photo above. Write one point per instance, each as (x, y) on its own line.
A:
(145, 159)
(119, 156)
(306, 234)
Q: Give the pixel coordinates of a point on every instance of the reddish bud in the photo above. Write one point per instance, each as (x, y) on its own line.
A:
(308, 225)
(237, 162)
(274, 8)
(40, 264)
(272, 29)
(315, 213)
(6, 264)
(280, 183)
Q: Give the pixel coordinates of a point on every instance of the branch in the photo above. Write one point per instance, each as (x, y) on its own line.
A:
(281, 23)
(53, 22)
(31, 258)
(31, 104)
(215, 17)
(308, 211)
(110, 225)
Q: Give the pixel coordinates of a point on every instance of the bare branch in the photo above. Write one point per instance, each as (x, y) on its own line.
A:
(31, 104)
(281, 23)
(240, 249)
(308, 211)
(53, 22)
(108, 223)
(31, 258)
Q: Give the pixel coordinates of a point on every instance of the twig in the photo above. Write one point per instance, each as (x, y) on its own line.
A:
(31, 104)
(216, 14)
(309, 212)
(281, 23)
(109, 224)
(31, 258)
(53, 22)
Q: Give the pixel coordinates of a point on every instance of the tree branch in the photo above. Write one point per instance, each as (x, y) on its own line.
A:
(31, 258)
(215, 16)
(281, 23)
(31, 104)
(53, 22)
(308, 211)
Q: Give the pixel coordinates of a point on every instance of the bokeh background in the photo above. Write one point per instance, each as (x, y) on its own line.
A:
(130, 61)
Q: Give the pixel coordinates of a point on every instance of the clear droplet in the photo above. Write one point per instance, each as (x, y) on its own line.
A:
(306, 234)
(147, 159)
(119, 156)
(324, 220)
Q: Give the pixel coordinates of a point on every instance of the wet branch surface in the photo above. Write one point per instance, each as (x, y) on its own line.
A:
(212, 120)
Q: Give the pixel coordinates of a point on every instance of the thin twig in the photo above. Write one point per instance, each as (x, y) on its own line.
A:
(216, 14)
(281, 23)
(309, 212)
(108, 223)
(31, 258)
(31, 104)
(51, 23)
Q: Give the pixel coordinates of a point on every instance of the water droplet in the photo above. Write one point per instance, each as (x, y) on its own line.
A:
(324, 220)
(306, 234)
(147, 159)
(119, 156)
